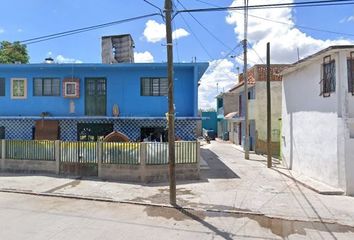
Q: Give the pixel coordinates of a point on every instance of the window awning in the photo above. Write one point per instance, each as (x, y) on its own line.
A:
(231, 115)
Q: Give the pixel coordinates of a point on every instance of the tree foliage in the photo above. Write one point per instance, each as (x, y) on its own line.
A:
(13, 52)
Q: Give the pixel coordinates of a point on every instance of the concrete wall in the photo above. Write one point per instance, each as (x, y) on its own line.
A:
(28, 166)
(135, 173)
(230, 102)
(260, 115)
(350, 166)
(309, 125)
(147, 173)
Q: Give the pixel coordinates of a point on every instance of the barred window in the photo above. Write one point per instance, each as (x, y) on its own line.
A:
(328, 81)
(46, 87)
(2, 87)
(154, 86)
(350, 67)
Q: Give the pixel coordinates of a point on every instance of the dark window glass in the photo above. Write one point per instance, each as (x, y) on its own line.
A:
(2, 86)
(2, 132)
(70, 88)
(328, 82)
(91, 87)
(101, 87)
(350, 67)
(46, 87)
(154, 86)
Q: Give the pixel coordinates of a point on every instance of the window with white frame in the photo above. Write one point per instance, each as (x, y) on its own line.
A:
(328, 81)
(18, 88)
(70, 89)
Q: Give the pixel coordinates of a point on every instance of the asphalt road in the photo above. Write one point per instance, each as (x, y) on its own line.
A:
(36, 217)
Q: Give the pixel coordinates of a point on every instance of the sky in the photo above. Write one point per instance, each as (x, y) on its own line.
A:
(212, 37)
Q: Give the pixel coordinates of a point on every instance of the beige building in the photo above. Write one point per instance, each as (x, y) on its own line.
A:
(257, 95)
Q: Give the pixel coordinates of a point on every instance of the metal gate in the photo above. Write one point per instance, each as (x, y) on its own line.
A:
(78, 159)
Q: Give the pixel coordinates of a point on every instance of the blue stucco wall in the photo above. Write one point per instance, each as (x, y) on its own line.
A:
(209, 121)
(123, 89)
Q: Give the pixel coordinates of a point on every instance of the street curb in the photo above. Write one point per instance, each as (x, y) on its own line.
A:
(110, 200)
(329, 193)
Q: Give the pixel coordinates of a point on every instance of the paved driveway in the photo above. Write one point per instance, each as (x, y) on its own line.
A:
(231, 184)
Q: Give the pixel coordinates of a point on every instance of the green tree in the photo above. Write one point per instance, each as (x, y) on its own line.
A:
(13, 52)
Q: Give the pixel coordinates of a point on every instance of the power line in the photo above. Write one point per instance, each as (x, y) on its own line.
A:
(254, 50)
(228, 54)
(174, 26)
(278, 5)
(196, 37)
(301, 26)
(84, 29)
(207, 3)
(285, 23)
(205, 28)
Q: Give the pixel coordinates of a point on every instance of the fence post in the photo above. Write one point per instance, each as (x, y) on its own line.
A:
(142, 167)
(57, 156)
(198, 156)
(99, 157)
(3, 153)
(3, 149)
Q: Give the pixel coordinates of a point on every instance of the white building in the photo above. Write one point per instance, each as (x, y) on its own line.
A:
(318, 117)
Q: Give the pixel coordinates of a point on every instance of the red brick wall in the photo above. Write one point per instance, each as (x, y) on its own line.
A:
(259, 73)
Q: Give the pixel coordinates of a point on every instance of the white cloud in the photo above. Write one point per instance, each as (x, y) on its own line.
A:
(155, 32)
(220, 74)
(62, 59)
(2, 30)
(143, 57)
(285, 39)
(348, 19)
(180, 32)
(19, 30)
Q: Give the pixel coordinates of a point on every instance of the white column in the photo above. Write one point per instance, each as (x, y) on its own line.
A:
(99, 157)
(57, 155)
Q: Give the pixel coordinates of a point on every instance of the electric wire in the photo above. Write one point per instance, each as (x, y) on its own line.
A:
(176, 41)
(196, 37)
(84, 29)
(285, 23)
(278, 5)
(254, 50)
(205, 28)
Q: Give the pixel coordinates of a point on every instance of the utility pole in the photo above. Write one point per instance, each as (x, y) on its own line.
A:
(171, 111)
(269, 110)
(245, 79)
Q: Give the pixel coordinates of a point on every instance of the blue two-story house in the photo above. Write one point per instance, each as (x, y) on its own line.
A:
(88, 101)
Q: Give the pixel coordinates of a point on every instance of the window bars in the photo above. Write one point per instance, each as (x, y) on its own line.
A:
(350, 67)
(328, 81)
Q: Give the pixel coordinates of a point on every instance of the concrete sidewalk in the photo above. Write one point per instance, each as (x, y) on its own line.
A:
(229, 184)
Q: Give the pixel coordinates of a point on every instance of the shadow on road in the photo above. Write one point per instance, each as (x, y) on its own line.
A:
(217, 169)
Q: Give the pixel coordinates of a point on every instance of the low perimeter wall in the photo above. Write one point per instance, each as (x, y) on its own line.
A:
(28, 166)
(147, 173)
(143, 165)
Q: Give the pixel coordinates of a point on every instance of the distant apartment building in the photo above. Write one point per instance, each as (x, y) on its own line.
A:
(234, 103)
